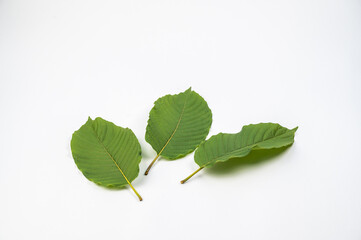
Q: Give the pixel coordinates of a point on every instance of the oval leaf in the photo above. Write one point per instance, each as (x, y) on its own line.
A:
(223, 146)
(106, 154)
(178, 124)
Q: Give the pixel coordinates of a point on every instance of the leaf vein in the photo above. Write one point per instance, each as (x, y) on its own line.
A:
(111, 157)
(176, 128)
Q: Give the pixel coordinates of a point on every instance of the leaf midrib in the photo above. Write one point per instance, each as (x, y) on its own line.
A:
(176, 127)
(250, 145)
(111, 157)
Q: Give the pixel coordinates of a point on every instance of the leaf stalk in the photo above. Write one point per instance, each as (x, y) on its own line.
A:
(126, 179)
(151, 164)
(135, 191)
(187, 178)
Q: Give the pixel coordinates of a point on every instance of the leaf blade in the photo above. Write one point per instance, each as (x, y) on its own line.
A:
(225, 146)
(177, 124)
(253, 136)
(106, 154)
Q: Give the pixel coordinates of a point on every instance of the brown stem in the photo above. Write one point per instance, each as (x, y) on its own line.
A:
(151, 164)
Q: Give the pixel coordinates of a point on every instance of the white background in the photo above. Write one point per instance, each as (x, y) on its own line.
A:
(297, 63)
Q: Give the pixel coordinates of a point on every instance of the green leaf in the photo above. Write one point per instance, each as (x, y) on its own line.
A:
(223, 146)
(177, 125)
(106, 154)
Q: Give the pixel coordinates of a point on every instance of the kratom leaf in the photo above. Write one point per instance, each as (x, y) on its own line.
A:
(106, 154)
(177, 125)
(223, 146)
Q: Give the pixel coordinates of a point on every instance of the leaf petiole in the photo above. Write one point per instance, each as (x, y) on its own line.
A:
(126, 179)
(187, 178)
(151, 164)
(135, 191)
